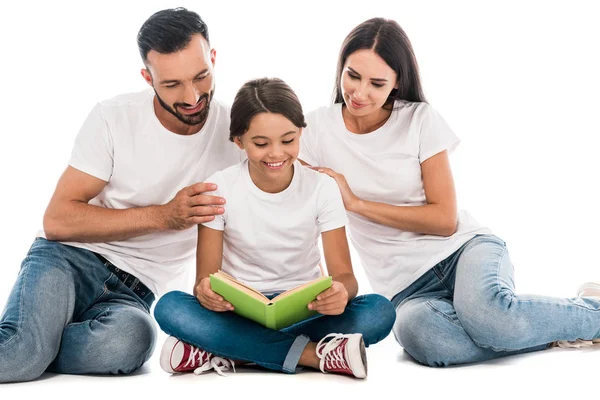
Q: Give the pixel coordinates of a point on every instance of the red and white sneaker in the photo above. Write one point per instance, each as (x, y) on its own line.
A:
(177, 356)
(343, 354)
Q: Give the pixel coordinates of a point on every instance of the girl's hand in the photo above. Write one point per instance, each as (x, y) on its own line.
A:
(331, 301)
(209, 299)
(350, 199)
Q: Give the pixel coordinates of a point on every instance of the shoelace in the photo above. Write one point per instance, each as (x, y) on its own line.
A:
(216, 363)
(331, 348)
(213, 362)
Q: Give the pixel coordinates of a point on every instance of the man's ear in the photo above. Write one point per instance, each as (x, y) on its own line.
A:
(146, 75)
(213, 56)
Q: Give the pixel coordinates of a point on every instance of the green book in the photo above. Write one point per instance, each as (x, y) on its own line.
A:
(282, 311)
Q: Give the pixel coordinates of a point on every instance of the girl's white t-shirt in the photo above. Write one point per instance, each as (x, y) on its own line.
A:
(123, 143)
(385, 166)
(270, 240)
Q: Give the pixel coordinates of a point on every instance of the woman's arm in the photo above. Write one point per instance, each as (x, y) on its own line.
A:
(345, 287)
(437, 217)
(209, 256)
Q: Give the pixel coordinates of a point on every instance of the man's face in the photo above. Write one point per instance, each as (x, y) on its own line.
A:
(183, 81)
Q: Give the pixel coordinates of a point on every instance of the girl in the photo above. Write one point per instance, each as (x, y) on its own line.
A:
(450, 278)
(268, 238)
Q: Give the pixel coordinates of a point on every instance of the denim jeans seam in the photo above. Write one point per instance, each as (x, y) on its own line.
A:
(22, 300)
(138, 300)
(550, 302)
(132, 302)
(497, 274)
(441, 277)
(103, 311)
(441, 313)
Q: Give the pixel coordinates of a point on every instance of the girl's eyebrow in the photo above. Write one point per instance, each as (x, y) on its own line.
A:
(266, 138)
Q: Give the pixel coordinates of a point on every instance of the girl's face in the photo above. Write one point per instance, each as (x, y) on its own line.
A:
(366, 82)
(272, 145)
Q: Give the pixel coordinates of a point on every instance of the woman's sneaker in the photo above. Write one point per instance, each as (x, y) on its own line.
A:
(177, 356)
(588, 289)
(343, 354)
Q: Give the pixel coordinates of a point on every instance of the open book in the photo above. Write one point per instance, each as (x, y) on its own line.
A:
(282, 311)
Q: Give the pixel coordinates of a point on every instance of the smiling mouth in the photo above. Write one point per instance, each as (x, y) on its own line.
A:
(194, 109)
(274, 165)
(358, 105)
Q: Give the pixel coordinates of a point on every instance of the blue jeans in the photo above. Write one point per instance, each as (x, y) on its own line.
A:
(67, 313)
(228, 335)
(465, 310)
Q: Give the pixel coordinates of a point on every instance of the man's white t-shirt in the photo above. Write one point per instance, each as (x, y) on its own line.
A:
(123, 142)
(385, 166)
(270, 240)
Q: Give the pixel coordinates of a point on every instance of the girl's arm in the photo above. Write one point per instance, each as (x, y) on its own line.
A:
(437, 217)
(209, 256)
(344, 288)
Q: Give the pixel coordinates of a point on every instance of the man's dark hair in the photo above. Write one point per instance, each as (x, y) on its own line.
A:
(168, 31)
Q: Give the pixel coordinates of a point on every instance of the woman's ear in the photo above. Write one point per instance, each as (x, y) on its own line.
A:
(238, 141)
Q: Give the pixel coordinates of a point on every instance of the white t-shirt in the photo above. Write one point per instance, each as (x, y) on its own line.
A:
(270, 240)
(123, 142)
(385, 166)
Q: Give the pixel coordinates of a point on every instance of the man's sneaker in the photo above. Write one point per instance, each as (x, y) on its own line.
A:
(177, 356)
(343, 354)
(588, 289)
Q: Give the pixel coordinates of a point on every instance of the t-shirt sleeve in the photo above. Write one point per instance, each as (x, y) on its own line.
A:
(308, 143)
(331, 213)
(219, 222)
(435, 135)
(94, 148)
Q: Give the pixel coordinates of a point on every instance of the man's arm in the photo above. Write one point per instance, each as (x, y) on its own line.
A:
(69, 217)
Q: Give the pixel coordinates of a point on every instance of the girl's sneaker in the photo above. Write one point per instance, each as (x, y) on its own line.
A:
(177, 356)
(343, 354)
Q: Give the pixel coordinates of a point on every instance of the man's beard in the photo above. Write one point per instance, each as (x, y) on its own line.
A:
(191, 119)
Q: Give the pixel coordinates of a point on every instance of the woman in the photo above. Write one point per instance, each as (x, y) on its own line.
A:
(267, 238)
(450, 278)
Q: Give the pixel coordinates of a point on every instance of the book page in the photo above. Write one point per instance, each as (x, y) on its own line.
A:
(245, 288)
(298, 288)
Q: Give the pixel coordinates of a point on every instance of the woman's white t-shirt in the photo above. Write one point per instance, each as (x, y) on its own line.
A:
(270, 240)
(385, 166)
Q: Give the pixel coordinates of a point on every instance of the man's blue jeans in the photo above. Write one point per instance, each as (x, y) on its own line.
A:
(67, 313)
(465, 310)
(228, 335)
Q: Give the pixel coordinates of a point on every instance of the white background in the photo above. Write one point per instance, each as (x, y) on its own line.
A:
(517, 81)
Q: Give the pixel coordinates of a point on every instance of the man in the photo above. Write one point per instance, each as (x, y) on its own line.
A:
(120, 227)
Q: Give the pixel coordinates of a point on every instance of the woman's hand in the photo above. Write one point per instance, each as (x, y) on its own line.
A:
(350, 199)
(209, 299)
(331, 301)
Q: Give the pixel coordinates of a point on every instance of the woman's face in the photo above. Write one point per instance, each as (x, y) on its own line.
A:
(366, 82)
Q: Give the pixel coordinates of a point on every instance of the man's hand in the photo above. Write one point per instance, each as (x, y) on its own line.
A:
(332, 301)
(190, 207)
(209, 299)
